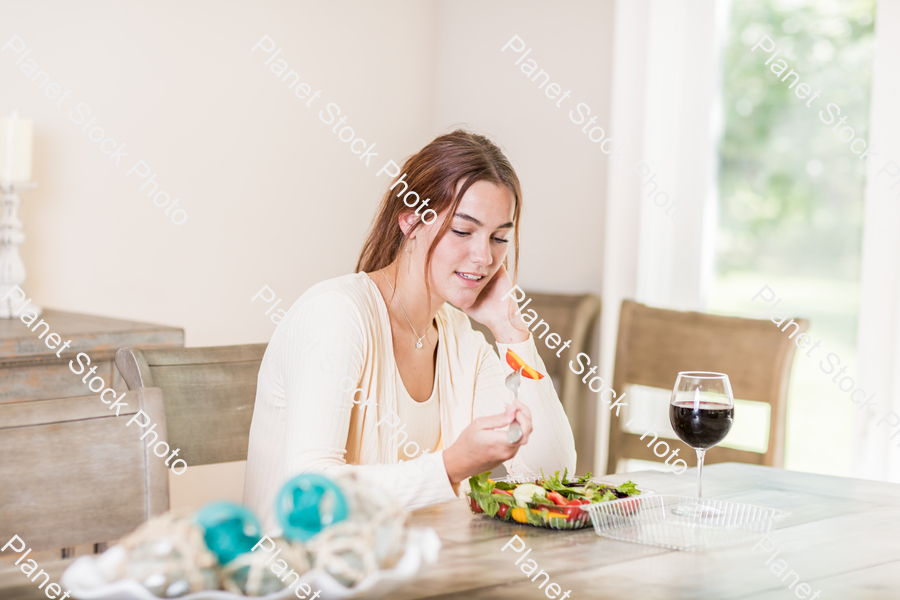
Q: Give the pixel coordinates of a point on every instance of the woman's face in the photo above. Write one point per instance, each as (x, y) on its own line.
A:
(475, 245)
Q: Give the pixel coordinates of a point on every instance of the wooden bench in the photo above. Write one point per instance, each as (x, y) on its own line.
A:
(209, 395)
(74, 474)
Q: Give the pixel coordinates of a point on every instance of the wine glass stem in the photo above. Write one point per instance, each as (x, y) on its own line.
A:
(700, 456)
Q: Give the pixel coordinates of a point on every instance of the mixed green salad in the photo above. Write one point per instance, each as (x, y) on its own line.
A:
(554, 502)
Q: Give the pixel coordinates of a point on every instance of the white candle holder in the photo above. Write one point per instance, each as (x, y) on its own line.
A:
(12, 269)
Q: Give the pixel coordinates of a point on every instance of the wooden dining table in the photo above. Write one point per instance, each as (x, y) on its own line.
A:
(842, 537)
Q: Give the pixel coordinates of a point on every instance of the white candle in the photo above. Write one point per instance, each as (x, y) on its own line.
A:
(15, 149)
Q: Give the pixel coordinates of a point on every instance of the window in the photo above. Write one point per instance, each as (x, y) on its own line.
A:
(791, 196)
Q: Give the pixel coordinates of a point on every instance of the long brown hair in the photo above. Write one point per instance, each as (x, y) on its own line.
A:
(434, 173)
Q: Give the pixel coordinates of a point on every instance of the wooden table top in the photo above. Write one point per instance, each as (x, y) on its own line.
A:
(89, 333)
(842, 538)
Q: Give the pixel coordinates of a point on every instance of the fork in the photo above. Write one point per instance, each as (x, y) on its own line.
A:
(514, 433)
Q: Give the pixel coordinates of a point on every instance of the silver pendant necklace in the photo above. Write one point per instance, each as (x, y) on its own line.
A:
(419, 343)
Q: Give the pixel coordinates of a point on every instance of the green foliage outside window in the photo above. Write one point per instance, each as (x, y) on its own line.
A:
(790, 191)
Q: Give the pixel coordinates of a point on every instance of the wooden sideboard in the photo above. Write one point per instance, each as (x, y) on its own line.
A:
(30, 370)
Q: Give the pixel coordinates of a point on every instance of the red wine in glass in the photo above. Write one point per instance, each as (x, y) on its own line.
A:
(701, 426)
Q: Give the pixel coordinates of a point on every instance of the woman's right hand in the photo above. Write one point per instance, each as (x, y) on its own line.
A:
(481, 448)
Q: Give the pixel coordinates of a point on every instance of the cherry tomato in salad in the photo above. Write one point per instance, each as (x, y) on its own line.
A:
(504, 508)
(475, 506)
(573, 511)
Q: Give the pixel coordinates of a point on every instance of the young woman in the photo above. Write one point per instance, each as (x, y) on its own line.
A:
(376, 371)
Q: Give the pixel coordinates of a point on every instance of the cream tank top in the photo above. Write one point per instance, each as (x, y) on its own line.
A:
(422, 421)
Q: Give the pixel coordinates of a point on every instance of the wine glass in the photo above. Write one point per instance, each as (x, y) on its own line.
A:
(701, 413)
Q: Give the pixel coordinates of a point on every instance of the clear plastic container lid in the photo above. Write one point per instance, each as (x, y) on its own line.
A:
(653, 520)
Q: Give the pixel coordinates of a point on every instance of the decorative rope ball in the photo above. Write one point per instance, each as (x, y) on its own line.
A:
(373, 508)
(367, 500)
(168, 556)
(248, 574)
(372, 537)
(346, 552)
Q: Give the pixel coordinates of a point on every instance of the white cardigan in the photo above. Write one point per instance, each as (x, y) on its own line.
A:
(339, 333)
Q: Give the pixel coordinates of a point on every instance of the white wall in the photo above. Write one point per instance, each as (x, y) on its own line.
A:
(563, 174)
(272, 196)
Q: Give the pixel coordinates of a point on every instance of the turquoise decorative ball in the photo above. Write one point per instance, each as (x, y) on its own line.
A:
(307, 504)
(229, 529)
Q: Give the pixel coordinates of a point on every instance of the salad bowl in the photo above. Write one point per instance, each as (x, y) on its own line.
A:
(551, 502)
